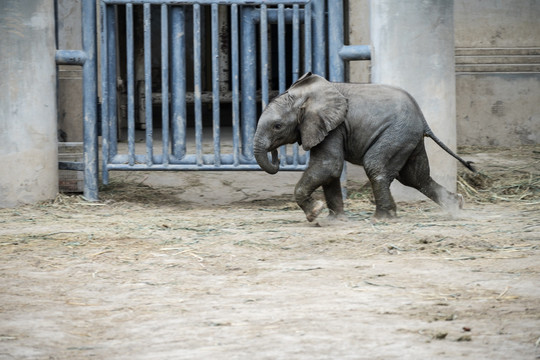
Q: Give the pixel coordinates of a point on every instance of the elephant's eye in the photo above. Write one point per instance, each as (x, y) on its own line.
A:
(277, 126)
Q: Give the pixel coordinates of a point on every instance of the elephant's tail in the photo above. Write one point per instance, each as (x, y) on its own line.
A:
(430, 134)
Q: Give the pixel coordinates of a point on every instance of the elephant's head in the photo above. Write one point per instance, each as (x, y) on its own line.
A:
(306, 113)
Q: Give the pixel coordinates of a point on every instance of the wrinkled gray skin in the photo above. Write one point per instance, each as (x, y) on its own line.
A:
(376, 126)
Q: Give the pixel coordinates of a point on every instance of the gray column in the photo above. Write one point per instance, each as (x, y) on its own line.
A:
(413, 48)
(28, 145)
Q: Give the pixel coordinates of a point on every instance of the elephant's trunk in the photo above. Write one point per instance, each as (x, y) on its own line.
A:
(262, 159)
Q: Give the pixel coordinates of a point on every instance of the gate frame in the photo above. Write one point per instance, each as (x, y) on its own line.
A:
(338, 53)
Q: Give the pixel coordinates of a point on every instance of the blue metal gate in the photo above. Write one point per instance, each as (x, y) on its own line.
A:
(281, 37)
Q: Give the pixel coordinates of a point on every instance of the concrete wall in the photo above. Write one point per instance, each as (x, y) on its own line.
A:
(498, 72)
(28, 146)
(497, 48)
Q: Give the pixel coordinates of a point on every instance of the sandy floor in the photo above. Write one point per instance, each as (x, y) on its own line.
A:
(225, 266)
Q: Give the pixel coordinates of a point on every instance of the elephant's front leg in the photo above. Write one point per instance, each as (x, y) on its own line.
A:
(304, 189)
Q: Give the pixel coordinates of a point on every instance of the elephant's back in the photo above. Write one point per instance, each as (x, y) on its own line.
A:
(375, 109)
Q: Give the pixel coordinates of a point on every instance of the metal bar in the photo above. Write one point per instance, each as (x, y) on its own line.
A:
(90, 131)
(295, 43)
(207, 2)
(130, 84)
(295, 61)
(282, 67)
(307, 38)
(104, 92)
(281, 49)
(264, 55)
(335, 41)
(198, 83)
(112, 63)
(119, 161)
(215, 83)
(355, 52)
(319, 50)
(190, 167)
(249, 82)
(148, 82)
(272, 15)
(235, 84)
(178, 79)
(165, 83)
(70, 57)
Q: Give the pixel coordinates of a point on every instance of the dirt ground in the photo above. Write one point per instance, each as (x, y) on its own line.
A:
(199, 265)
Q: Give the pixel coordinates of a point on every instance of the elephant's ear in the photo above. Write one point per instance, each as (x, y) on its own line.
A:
(322, 108)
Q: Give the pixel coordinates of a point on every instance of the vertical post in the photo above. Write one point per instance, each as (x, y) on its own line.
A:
(249, 82)
(335, 41)
(235, 84)
(197, 68)
(295, 61)
(413, 48)
(178, 79)
(215, 84)
(130, 68)
(307, 38)
(90, 131)
(148, 83)
(28, 138)
(282, 67)
(104, 92)
(165, 83)
(112, 59)
(319, 50)
(264, 55)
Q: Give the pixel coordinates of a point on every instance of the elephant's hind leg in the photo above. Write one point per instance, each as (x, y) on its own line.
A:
(416, 174)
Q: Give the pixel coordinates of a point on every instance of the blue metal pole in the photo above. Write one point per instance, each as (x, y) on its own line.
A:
(112, 58)
(198, 83)
(295, 62)
(148, 83)
(130, 84)
(90, 131)
(307, 38)
(249, 83)
(235, 84)
(104, 92)
(178, 45)
(282, 67)
(319, 50)
(208, 2)
(295, 43)
(335, 41)
(264, 55)
(215, 85)
(165, 83)
(70, 57)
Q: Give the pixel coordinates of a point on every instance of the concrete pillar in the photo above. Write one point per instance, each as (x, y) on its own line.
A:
(413, 48)
(28, 145)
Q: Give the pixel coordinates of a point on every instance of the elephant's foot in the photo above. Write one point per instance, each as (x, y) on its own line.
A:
(385, 214)
(453, 203)
(314, 210)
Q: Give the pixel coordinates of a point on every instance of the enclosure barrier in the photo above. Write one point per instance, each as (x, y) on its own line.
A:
(295, 29)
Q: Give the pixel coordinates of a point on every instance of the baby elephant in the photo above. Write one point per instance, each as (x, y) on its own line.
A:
(376, 126)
